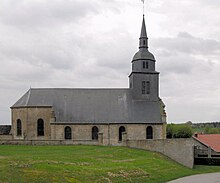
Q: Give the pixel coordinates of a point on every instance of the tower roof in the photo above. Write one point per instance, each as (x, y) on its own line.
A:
(143, 53)
(143, 29)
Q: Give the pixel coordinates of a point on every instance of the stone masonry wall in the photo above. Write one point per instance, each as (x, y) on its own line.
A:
(180, 150)
(47, 142)
(55, 131)
(29, 117)
(5, 137)
(110, 133)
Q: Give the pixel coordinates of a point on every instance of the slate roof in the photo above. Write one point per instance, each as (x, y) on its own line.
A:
(143, 55)
(92, 105)
(210, 140)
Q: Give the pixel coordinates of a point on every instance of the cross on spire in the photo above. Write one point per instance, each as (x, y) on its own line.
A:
(143, 6)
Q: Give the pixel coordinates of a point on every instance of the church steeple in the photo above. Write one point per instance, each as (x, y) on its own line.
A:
(144, 79)
(143, 43)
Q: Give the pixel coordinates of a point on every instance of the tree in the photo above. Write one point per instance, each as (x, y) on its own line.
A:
(183, 131)
(179, 131)
(207, 129)
(170, 131)
(214, 131)
(189, 123)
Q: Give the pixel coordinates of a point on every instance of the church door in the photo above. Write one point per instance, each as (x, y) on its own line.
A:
(121, 130)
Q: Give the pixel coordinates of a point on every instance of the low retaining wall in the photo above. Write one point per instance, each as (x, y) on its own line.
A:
(49, 142)
(180, 150)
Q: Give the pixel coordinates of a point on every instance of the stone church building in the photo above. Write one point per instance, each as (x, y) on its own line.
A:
(106, 115)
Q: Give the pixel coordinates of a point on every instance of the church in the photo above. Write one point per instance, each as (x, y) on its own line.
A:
(108, 116)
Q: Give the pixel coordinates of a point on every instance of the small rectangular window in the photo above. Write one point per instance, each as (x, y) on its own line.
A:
(145, 65)
(145, 87)
(148, 87)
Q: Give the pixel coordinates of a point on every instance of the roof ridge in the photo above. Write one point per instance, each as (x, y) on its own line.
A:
(28, 97)
(79, 88)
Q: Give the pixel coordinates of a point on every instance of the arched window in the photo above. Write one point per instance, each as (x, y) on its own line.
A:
(121, 130)
(19, 127)
(68, 132)
(95, 132)
(149, 131)
(40, 127)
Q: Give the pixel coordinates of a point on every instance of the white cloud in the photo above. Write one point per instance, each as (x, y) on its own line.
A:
(189, 79)
(81, 43)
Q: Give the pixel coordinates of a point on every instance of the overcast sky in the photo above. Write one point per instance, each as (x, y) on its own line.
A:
(90, 43)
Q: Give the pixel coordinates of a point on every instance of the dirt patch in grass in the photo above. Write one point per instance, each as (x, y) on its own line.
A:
(127, 174)
(3, 157)
(18, 164)
(123, 160)
(69, 163)
(106, 179)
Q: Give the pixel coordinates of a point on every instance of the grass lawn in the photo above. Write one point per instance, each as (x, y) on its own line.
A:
(89, 164)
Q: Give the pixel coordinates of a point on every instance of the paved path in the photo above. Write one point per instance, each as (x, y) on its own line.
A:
(202, 178)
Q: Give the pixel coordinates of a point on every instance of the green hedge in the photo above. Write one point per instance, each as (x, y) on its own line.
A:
(179, 131)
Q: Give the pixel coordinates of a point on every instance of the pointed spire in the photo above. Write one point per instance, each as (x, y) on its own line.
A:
(143, 37)
(143, 29)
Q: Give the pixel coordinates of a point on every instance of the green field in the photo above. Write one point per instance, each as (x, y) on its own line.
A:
(89, 164)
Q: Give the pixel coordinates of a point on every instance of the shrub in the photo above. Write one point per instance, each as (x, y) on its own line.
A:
(209, 130)
(170, 131)
(179, 131)
(183, 131)
(214, 131)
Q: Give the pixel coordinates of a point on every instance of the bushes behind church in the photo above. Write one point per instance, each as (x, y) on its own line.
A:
(179, 131)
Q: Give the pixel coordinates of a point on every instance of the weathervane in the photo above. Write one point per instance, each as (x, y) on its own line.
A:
(143, 6)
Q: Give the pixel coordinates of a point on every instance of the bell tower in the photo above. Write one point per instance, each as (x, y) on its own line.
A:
(144, 80)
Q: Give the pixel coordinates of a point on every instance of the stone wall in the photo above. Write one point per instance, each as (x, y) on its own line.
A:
(5, 137)
(29, 117)
(55, 131)
(79, 132)
(180, 150)
(48, 142)
(110, 132)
